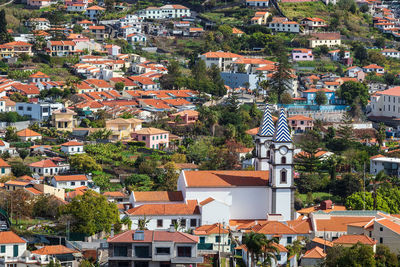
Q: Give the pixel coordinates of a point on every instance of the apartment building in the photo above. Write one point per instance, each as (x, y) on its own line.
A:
(165, 12)
(62, 48)
(330, 39)
(386, 103)
(99, 32)
(282, 24)
(223, 60)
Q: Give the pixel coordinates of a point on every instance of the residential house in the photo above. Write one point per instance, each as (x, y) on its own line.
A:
(28, 135)
(94, 11)
(123, 128)
(58, 253)
(164, 12)
(282, 24)
(48, 167)
(99, 85)
(386, 231)
(391, 166)
(62, 48)
(223, 60)
(116, 197)
(337, 55)
(41, 111)
(154, 138)
(214, 237)
(312, 24)
(302, 54)
(38, 24)
(386, 103)
(72, 147)
(11, 248)
(63, 119)
(374, 68)
(15, 49)
(355, 72)
(393, 53)
(329, 39)
(38, 77)
(136, 38)
(300, 123)
(313, 257)
(184, 117)
(13, 185)
(333, 86)
(99, 32)
(153, 248)
(69, 181)
(85, 24)
(351, 240)
(28, 90)
(260, 18)
(5, 168)
(38, 3)
(113, 50)
(311, 94)
(257, 3)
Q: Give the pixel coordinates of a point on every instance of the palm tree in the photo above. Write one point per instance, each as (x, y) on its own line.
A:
(269, 251)
(255, 243)
(213, 119)
(142, 223)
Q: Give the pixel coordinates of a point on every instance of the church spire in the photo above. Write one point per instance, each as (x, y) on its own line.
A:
(267, 126)
(282, 133)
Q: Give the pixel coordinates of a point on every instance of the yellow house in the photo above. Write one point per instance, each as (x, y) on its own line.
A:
(64, 120)
(122, 128)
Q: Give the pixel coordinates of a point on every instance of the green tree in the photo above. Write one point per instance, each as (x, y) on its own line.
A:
(286, 98)
(360, 53)
(119, 86)
(77, 28)
(139, 182)
(11, 134)
(320, 98)
(349, 184)
(22, 204)
(169, 177)
(350, 90)
(258, 245)
(101, 179)
(280, 80)
(23, 153)
(84, 163)
(19, 169)
(346, 131)
(357, 255)
(309, 144)
(5, 37)
(168, 81)
(46, 206)
(381, 134)
(384, 257)
(92, 213)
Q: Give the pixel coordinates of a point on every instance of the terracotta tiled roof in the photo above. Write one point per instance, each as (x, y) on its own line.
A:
(166, 209)
(154, 236)
(3, 163)
(372, 66)
(394, 91)
(158, 196)
(315, 253)
(354, 239)
(226, 178)
(72, 143)
(79, 177)
(390, 225)
(9, 237)
(17, 183)
(322, 242)
(280, 247)
(301, 226)
(215, 228)
(53, 250)
(221, 55)
(39, 74)
(206, 201)
(114, 194)
(273, 228)
(34, 191)
(47, 163)
(95, 8)
(151, 131)
(338, 223)
(300, 118)
(27, 133)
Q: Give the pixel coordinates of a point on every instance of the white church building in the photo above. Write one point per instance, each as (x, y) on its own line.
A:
(208, 197)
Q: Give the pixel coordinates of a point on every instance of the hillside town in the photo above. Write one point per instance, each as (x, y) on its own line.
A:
(199, 133)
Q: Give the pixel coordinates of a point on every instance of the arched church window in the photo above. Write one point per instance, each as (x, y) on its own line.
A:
(283, 176)
(268, 154)
(283, 160)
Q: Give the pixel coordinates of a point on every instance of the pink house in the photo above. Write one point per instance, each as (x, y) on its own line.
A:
(38, 3)
(302, 54)
(301, 123)
(187, 117)
(153, 137)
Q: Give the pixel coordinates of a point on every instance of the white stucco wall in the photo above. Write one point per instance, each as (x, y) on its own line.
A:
(215, 212)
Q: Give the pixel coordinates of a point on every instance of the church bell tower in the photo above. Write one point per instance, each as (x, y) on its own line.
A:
(263, 141)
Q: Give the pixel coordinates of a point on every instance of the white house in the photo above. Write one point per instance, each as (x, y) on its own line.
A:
(282, 24)
(257, 3)
(69, 181)
(223, 60)
(213, 237)
(386, 103)
(94, 11)
(391, 166)
(38, 24)
(29, 135)
(11, 247)
(5, 168)
(335, 55)
(374, 68)
(391, 53)
(165, 12)
(48, 167)
(72, 147)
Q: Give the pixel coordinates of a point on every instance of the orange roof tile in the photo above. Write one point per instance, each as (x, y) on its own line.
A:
(72, 143)
(226, 178)
(206, 201)
(17, 183)
(3, 163)
(390, 225)
(114, 194)
(34, 191)
(338, 223)
(78, 177)
(150, 131)
(9, 237)
(221, 55)
(354, 239)
(273, 228)
(39, 74)
(47, 163)
(315, 253)
(322, 242)
(188, 208)
(53, 250)
(28, 133)
(215, 228)
(158, 196)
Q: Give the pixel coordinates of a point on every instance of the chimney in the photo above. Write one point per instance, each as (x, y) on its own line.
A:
(171, 228)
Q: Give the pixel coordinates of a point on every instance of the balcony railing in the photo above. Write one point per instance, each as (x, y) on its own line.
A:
(205, 246)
